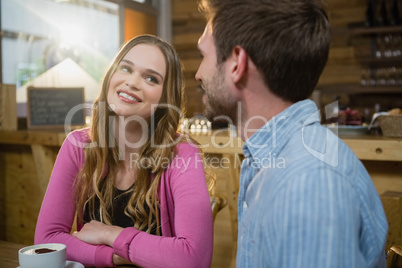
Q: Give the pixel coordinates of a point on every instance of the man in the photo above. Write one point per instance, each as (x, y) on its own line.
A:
(305, 200)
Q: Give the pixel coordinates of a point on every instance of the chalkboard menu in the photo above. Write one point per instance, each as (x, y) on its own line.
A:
(55, 107)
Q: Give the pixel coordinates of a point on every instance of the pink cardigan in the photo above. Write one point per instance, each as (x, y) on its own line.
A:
(186, 216)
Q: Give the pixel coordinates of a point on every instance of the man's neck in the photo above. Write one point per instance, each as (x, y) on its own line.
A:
(257, 108)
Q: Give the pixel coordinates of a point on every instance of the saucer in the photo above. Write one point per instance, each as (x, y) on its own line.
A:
(73, 264)
(70, 264)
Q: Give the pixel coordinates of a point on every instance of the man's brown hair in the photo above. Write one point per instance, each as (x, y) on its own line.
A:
(288, 40)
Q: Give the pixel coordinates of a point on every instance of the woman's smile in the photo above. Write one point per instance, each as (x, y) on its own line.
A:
(128, 97)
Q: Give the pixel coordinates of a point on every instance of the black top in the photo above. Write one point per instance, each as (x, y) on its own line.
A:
(120, 201)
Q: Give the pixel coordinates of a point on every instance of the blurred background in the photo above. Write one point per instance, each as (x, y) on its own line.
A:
(70, 43)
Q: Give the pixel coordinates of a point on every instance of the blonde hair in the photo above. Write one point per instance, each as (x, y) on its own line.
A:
(91, 182)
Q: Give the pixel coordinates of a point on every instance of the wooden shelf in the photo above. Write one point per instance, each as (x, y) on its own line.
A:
(355, 88)
(376, 30)
(380, 62)
(361, 30)
(364, 54)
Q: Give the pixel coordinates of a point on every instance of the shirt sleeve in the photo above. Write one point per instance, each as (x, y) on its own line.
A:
(56, 215)
(192, 242)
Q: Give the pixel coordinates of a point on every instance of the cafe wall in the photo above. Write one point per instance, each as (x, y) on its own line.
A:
(348, 60)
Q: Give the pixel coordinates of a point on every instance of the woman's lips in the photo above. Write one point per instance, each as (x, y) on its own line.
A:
(128, 96)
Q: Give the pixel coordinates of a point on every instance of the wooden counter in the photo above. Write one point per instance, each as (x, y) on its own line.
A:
(9, 254)
(377, 148)
(369, 147)
(44, 145)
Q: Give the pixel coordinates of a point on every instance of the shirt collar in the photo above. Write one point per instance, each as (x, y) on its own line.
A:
(276, 132)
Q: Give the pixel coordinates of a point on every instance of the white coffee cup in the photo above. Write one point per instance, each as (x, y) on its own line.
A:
(52, 255)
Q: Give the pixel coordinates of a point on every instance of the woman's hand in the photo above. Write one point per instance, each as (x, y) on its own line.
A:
(97, 233)
(117, 260)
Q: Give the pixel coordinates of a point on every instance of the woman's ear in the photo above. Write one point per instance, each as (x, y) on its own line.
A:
(238, 67)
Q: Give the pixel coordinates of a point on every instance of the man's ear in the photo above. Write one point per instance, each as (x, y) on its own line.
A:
(238, 67)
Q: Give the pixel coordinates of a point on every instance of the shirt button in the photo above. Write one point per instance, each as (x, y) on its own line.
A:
(244, 205)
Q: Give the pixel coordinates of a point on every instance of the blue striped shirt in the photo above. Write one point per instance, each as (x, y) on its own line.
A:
(305, 199)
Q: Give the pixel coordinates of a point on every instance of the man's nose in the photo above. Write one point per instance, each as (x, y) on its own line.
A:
(197, 74)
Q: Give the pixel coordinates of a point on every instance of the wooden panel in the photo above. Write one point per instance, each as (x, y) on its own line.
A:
(194, 105)
(193, 27)
(8, 107)
(3, 213)
(21, 192)
(386, 176)
(191, 65)
(342, 55)
(340, 74)
(392, 202)
(346, 15)
(186, 41)
(32, 137)
(339, 4)
(184, 10)
(223, 239)
(382, 150)
(136, 23)
(184, 6)
(44, 157)
(23, 196)
(188, 25)
(219, 142)
(232, 186)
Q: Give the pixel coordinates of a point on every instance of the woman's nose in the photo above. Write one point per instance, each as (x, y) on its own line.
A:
(133, 81)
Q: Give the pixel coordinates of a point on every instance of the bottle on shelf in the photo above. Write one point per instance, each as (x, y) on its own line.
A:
(395, 18)
(383, 14)
(370, 14)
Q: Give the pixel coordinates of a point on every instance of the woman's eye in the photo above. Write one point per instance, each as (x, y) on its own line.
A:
(152, 79)
(125, 68)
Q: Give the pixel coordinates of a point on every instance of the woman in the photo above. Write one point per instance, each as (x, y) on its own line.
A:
(139, 192)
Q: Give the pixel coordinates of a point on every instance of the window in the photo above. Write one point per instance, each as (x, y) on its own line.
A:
(38, 34)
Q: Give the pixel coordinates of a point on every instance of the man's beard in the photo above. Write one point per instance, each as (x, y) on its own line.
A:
(219, 104)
